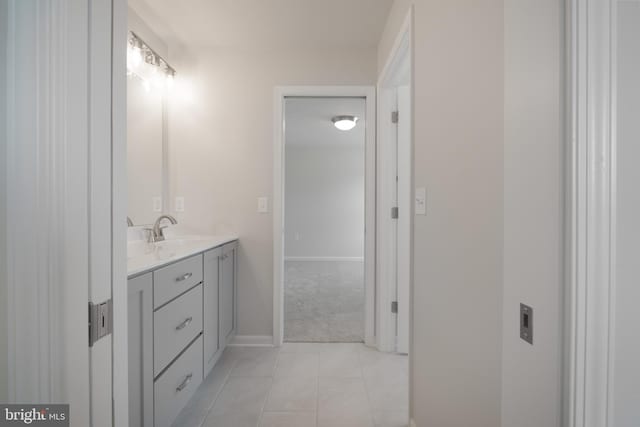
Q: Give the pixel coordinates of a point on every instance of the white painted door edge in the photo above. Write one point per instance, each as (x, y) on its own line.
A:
(119, 184)
(386, 265)
(590, 213)
(280, 92)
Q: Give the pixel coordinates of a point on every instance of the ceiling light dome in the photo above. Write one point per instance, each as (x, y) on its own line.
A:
(344, 122)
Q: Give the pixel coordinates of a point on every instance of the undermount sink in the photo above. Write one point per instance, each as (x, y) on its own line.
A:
(161, 250)
(138, 248)
(143, 255)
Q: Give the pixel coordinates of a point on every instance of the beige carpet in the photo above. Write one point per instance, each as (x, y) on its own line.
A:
(324, 301)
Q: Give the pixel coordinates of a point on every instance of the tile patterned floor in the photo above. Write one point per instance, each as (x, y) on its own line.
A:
(302, 385)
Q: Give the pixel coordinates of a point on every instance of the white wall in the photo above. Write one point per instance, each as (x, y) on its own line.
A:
(458, 157)
(4, 363)
(533, 211)
(324, 201)
(626, 345)
(221, 133)
(488, 147)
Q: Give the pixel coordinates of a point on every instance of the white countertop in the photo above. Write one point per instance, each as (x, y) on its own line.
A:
(143, 256)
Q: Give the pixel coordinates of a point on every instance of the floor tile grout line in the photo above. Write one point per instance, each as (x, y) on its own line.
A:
(318, 395)
(217, 395)
(366, 390)
(273, 377)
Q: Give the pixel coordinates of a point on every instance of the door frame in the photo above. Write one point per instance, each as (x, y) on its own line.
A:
(280, 93)
(591, 213)
(387, 236)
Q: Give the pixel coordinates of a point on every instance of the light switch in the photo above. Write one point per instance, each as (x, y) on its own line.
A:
(421, 201)
(263, 204)
(179, 204)
(157, 204)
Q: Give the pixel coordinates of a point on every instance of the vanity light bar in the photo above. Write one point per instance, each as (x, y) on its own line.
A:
(148, 55)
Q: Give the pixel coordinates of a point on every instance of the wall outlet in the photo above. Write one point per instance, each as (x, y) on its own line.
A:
(179, 204)
(157, 204)
(263, 204)
(421, 201)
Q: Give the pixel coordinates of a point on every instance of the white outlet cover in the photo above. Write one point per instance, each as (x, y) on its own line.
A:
(263, 204)
(421, 201)
(157, 204)
(179, 204)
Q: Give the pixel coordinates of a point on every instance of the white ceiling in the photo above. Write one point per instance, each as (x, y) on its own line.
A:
(308, 121)
(267, 23)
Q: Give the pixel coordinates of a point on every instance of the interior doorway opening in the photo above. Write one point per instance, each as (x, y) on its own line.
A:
(308, 228)
(324, 219)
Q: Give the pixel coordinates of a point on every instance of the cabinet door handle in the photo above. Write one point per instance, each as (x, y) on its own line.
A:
(183, 277)
(184, 383)
(184, 324)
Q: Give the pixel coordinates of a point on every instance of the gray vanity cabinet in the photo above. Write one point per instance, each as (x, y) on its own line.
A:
(211, 308)
(140, 321)
(181, 317)
(228, 264)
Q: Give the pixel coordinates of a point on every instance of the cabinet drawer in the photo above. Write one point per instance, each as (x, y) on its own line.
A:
(174, 326)
(174, 279)
(177, 384)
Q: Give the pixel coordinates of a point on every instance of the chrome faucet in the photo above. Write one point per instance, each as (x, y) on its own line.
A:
(156, 231)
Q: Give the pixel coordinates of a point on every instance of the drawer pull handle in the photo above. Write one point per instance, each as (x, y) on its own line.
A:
(184, 277)
(184, 324)
(184, 383)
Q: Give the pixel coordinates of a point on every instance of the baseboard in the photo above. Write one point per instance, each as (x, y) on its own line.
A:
(321, 258)
(251, 341)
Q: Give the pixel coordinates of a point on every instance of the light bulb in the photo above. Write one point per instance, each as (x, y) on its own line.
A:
(135, 57)
(169, 81)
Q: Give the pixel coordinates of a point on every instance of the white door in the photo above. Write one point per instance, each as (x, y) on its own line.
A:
(58, 202)
(403, 194)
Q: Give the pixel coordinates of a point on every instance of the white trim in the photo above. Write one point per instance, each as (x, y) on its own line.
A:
(119, 290)
(591, 208)
(367, 92)
(251, 341)
(324, 259)
(387, 161)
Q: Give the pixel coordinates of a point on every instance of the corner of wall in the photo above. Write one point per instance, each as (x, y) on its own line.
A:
(395, 19)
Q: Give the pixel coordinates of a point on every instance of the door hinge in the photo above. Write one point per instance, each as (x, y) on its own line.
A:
(394, 212)
(394, 117)
(394, 307)
(100, 320)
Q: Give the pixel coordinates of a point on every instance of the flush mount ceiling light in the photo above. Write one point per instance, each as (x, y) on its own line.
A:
(344, 122)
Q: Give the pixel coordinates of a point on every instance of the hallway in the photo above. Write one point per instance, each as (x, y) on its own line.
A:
(302, 385)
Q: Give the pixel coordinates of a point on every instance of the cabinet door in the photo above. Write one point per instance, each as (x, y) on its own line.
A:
(140, 327)
(210, 307)
(227, 292)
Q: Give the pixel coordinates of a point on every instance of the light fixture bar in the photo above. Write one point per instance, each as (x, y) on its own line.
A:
(149, 55)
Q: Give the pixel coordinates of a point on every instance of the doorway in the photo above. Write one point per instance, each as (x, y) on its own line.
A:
(323, 256)
(324, 192)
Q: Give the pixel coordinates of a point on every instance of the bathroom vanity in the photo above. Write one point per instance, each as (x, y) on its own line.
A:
(182, 314)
